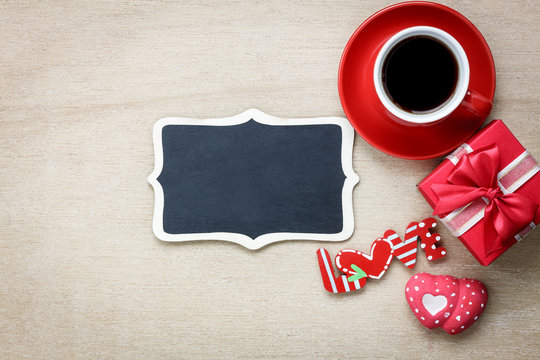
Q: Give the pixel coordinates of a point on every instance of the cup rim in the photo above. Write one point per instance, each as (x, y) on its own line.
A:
(462, 83)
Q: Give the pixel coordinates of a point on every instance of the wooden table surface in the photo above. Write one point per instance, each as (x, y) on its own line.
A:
(83, 277)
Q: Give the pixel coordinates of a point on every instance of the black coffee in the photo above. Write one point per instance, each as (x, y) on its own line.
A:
(420, 74)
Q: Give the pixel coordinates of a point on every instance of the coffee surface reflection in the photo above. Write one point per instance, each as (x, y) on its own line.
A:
(420, 74)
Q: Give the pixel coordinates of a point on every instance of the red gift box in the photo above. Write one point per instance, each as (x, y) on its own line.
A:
(488, 220)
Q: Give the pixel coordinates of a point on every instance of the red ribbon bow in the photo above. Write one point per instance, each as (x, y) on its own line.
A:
(475, 176)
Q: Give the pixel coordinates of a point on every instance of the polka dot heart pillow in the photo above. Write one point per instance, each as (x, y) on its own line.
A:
(445, 301)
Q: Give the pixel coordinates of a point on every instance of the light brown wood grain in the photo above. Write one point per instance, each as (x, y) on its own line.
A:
(83, 277)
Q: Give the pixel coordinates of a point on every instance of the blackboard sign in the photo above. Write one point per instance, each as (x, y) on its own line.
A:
(253, 179)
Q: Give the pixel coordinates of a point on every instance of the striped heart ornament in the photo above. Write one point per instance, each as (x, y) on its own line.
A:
(404, 250)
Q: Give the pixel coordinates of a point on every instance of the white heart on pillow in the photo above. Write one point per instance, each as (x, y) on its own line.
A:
(434, 304)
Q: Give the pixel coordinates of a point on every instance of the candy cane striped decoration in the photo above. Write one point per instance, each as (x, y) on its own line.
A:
(331, 283)
(405, 250)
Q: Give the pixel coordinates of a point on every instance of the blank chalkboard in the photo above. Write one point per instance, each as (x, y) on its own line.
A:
(253, 179)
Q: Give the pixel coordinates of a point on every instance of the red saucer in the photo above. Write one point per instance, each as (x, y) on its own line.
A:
(364, 109)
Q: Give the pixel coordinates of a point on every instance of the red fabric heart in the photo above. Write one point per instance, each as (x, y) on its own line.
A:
(374, 265)
(445, 301)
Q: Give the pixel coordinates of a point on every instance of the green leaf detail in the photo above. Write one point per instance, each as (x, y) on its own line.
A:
(359, 274)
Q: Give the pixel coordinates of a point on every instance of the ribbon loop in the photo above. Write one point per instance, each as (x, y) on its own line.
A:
(475, 177)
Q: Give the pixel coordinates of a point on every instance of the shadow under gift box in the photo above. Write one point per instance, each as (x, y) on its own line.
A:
(512, 157)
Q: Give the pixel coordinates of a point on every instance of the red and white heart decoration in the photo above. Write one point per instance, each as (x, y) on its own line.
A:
(445, 301)
(374, 265)
(359, 266)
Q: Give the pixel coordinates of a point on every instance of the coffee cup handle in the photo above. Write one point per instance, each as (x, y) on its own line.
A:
(476, 104)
